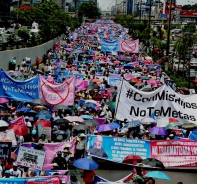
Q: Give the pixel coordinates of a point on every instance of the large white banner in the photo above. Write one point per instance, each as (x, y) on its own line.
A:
(31, 158)
(163, 102)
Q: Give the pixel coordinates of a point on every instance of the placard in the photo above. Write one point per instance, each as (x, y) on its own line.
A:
(31, 158)
(5, 150)
(8, 136)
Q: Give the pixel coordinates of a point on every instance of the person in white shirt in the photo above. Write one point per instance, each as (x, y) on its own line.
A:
(43, 139)
(15, 172)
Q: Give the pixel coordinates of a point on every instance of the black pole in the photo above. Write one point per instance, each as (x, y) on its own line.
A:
(168, 36)
(150, 5)
(140, 9)
(120, 90)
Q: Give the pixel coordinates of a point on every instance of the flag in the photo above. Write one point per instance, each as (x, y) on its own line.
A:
(18, 121)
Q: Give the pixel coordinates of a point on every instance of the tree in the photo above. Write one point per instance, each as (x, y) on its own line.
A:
(89, 10)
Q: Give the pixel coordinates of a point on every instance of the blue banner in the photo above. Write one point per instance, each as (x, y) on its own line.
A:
(114, 80)
(109, 46)
(117, 148)
(18, 90)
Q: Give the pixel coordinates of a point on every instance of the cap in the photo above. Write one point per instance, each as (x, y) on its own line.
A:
(26, 117)
(34, 132)
(59, 152)
(7, 172)
(55, 165)
(82, 135)
(14, 164)
(171, 135)
(65, 151)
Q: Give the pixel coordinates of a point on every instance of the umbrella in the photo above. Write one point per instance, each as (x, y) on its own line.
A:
(128, 67)
(74, 119)
(173, 120)
(72, 173)
(31, 113)
(132, 124)
(80, 127)
(23, 109)
(148, 120)
(86, 164)
(39, 108)
(104, 128)
(3, 123)
(61, 107)
(188, 126)
(136, 75)
(3, 100)
(158, 175)
(158, 131)
(153, 162)
(61, 121)
(38, 101)
(172, 125)
(86, 117)
(46, 113)
(145, 78)
(115, 125)
(93, 86)
(42, 116)
(4, 114)
(44, 123)
(91, 122)
(132, 159)
(96, 80)
(98, 152)
(19, 129)
(59, 132)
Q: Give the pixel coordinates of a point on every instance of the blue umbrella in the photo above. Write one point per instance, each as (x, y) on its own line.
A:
(158, 175)
(115, 125)
(23, 109)
(158, 131)
(86, 117)
(132, 124)
(46, 113)
(86, 164)
(42, 116)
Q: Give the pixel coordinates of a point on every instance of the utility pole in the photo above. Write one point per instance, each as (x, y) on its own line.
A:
(168, 35)
(140, 9)
(149, 21)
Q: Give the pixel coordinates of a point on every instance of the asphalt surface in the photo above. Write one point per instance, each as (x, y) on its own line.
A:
(186, 178)
(115, 175)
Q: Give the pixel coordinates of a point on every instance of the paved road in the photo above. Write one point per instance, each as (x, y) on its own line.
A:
(186, 178)
(114, 175)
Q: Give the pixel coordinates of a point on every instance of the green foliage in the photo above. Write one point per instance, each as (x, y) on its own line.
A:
(50, 16)
(190, 27)
(89, 10)
(189, 7)
(24, 34)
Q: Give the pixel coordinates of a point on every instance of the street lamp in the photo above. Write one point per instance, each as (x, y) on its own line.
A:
(140, 9)
(150, 6)
(124, 7)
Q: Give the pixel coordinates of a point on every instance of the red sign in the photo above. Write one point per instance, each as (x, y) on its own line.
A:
(188, 12)
(175, 153)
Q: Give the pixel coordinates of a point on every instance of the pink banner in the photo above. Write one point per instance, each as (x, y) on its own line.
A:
(100, 120)
(61, 174)
(175, 153)
(56, 94)
(52, 148)
(129, 46)
(18, 121)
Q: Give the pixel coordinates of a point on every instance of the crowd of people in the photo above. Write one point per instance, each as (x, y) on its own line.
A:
(83, 57)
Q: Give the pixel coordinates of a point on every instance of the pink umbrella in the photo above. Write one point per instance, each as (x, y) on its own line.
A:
(148, 120)
(3, 100)
(152, 81)
(74, 118)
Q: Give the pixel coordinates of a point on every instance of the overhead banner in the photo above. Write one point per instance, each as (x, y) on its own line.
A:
(117, 148)
(18, 90)
(131, 46)
(134, 104)
(56, 94)
(31, 158)
(35, 180)
(175, 153)
(109, 46)
(114, 80)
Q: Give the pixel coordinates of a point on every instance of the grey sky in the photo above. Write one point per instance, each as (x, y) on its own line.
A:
(106, 4)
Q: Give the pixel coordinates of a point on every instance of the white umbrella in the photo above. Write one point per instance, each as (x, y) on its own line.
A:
(148, 120)
(3, 123)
